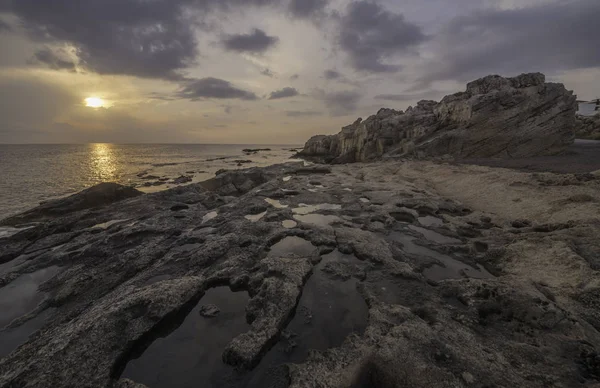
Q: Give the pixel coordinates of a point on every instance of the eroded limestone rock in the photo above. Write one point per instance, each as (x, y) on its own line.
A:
(494, 117)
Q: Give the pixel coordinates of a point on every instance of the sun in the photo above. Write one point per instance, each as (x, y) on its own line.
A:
(94, 102)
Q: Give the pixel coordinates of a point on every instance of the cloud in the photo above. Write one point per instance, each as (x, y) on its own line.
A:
(294, 77)
(369, 34)
(302, 113)
(213, 88)
(548, 37)
(140, 38)
(31, 104)
(332, 74)
(56, 60)
(4, 26)
(284, 93)
(403, 97)
(340, 103)
(268, 73)
(256, 41)
(306, 8)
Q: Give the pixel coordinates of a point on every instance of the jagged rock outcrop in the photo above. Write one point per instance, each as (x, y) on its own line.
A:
(495, 117)
(96, 196)
(588, 127)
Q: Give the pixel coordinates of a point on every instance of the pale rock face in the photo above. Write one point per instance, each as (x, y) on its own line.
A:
(494, 117)
(588, 127)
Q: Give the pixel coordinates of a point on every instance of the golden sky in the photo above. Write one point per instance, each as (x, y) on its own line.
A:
(266, 71)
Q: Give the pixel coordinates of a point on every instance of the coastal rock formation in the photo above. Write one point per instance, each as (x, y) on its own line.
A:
(379, 281)
(99, 195)
(588, 127)
(494, 117)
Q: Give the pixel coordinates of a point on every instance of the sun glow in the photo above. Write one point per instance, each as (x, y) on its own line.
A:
(95, 102)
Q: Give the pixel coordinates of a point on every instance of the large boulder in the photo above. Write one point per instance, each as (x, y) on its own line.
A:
(588, 127)
(495, 117)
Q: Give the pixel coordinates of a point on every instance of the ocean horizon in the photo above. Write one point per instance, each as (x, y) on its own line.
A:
(33, 173)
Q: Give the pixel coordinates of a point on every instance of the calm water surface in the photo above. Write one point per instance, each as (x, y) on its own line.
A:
(30, 174)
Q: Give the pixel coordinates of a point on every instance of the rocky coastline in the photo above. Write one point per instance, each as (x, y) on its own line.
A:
(495, 117)
(395, 272)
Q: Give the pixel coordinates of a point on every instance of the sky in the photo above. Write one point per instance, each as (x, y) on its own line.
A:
(266, 71)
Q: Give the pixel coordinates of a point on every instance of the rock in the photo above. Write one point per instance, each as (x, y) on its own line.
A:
(521, 223)
(588, 127)
(468, 378)
(495, 117)
(182, 180)
(96, 196)
(209, 311)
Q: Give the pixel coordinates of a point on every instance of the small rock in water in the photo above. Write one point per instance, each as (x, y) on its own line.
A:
(209, 311)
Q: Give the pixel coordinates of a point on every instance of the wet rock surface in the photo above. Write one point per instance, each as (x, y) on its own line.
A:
(495, 117)
(409, 287)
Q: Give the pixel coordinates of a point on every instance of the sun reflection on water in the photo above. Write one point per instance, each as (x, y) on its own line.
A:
(103, 163)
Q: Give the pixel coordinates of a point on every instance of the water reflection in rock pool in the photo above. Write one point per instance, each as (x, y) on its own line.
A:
(189, 355)
(22, 296)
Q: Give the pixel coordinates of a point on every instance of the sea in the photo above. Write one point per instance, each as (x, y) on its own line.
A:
(34, 173)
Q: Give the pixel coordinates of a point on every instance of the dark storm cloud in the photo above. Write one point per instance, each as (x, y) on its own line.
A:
(283, 93)
(332, 74)
(140, 38)
(550, 37)
(302, 113)
(306, 8)
(369, 34)
(54, 60)
(340, 103)
(256, 41)
(213, 88)
(150, 38)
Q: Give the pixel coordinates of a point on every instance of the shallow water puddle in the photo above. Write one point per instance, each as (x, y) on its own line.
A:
(317, 219)
(255, 217)
(22, 296)
(275, 203)
(289, 224)
(292, 245)
(209, 216)
(434, 236)
(451, 269)
(328, 311)
(187, 354)
(11, 339)
(307, 209)
(430, 221)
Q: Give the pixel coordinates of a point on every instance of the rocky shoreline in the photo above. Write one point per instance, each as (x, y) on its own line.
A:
(469, 276)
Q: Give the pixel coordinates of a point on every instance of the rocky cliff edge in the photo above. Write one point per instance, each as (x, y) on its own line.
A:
(495, 117)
